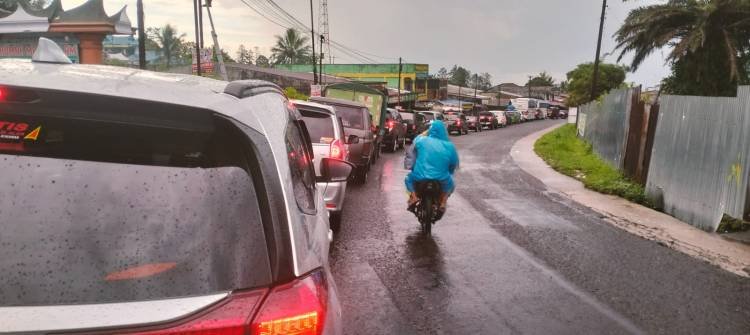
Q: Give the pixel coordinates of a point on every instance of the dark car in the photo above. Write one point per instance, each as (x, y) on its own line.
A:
(513, 116)
(488, 120)
(473, 123)
(414, 123)
(357, 121)
(456, 123)
(395, 131)
(144, 212)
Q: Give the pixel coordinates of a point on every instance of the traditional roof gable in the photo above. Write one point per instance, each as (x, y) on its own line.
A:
(21, 21)
(122, 23)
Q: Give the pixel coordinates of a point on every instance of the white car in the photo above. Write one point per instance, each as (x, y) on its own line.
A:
(152, 203)
(502, 119)
(328, 140)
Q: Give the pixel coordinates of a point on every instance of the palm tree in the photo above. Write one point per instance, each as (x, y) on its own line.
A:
(168, 40)
(710, 41)
(292, 48)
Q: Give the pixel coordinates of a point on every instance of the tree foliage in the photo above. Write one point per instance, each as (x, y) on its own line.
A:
(291, 48)
(244, 55)
(262, 61)
(542, 79)
(169, 42)
(459, 76)
(224, 54)
(442, 74)
(10, 5)
(710, 41)
(579, 82)
(481, 82)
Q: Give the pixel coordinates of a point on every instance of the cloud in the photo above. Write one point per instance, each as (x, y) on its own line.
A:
(510, 39)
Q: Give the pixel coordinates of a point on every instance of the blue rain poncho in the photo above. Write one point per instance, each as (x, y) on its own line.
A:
(436, 158)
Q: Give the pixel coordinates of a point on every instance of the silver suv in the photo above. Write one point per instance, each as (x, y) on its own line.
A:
(140, 202)
(326, 131)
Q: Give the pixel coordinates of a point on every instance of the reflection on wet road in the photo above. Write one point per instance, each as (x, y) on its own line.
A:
(508, 258)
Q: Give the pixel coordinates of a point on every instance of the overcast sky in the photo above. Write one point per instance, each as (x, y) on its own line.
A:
(510, 39)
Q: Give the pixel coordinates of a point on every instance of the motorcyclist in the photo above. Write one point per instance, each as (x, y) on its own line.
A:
(436, 159)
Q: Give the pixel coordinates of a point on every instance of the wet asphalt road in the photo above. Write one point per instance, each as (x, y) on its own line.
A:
(510, 257)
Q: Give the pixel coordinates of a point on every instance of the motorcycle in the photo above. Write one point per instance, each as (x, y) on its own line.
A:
(428, 209)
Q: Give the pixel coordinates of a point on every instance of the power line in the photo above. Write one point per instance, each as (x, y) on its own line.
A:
(292, 22)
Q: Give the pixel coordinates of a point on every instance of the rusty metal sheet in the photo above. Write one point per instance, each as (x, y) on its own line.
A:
(699, 165)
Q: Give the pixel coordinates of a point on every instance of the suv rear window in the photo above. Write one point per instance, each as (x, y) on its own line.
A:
(319, 125)
(452, 117)
(97, 209)
(407, 116)
(351, 117)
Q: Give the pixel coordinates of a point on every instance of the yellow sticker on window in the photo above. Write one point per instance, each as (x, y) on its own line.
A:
(326, 140)
(34, 134)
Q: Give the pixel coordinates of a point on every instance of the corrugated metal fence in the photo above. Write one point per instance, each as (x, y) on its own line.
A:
(699, 165)
(605, 125)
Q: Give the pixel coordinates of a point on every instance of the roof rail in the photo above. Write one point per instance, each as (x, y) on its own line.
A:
(47, 51)
(248, 88)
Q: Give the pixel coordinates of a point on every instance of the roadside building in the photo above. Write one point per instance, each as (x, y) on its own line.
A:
(300, 81)
(469, 98)
(415, 78)
(80, 31)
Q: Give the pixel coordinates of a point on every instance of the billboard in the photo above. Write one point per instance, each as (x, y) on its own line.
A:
(24, 48)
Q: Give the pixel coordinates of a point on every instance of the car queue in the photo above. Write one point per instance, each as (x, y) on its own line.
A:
(347, 130)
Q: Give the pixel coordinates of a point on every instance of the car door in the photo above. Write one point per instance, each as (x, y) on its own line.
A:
(307, 207)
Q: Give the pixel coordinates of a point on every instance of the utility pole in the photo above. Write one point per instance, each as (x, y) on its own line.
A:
(196, 9)
(312, 30)
(141, 36)
(476, 82)
(322, 55)
(200, 21)
(325, 29)
(460, 106)
(400, 67)
(598, 50)
(217, 48)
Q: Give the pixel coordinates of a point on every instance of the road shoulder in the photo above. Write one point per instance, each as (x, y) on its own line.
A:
(639, 220)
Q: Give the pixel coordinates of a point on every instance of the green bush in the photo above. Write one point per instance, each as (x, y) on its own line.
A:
(566, 153)
(292, 93)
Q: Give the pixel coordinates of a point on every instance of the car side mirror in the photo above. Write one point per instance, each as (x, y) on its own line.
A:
(352, 139)
(335, 170)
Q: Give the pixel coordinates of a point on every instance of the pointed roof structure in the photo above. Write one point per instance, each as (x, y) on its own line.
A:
(23, 20)
(121, 22)
(91, 17)
(91, 11)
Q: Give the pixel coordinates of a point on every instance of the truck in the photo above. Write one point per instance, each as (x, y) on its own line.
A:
(375, 100)
(527, 107)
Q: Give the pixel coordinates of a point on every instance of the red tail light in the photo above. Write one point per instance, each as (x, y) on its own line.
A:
(391, 124)
(337, 150)
(297, 308)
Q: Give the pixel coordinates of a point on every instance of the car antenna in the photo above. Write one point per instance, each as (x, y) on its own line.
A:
(47, 51)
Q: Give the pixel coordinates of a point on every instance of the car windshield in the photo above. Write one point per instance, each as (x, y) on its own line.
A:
(106, 211)
(351, 117)
(471, 118)
(428, 116)
(319, 126)
(407, 116)
(452, 117)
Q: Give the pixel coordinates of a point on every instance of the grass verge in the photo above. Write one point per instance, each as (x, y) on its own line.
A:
(569, 155)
